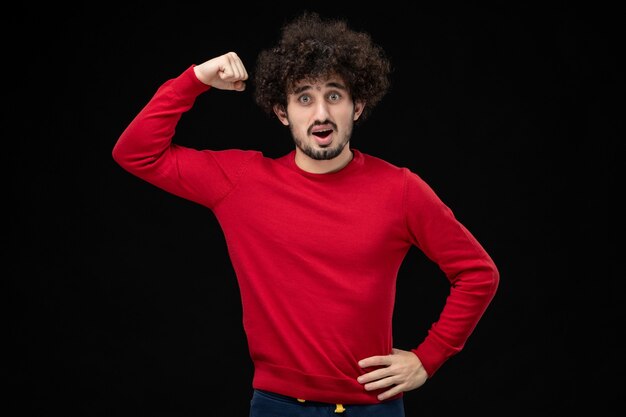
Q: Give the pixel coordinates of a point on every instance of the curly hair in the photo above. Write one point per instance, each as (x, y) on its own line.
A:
(312, 48)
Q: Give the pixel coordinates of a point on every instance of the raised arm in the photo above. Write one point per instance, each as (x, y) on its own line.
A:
(145, 147)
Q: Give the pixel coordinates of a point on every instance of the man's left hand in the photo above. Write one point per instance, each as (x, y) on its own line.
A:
(402, 371)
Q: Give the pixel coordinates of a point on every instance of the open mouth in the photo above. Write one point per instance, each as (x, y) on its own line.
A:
(323, 134)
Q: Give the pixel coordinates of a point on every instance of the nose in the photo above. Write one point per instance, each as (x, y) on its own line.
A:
(321, 111)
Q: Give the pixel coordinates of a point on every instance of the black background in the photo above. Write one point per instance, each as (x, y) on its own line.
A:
(122, 298)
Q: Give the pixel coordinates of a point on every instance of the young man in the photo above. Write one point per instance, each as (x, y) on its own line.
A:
(317, 236)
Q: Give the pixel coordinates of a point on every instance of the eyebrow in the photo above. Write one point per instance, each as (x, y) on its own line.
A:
(305, 87)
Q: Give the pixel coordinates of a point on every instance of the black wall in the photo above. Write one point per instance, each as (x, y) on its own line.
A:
(122, 298)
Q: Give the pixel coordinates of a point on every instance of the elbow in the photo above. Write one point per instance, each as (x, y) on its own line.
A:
(123, 157)
(117, 154)
(492, 279)
(483, 279)
(495, 278)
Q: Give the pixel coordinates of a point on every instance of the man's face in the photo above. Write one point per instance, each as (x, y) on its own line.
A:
(320, 115)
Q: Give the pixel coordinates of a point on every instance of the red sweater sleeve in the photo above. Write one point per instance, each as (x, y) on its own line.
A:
(472, 273)
(145, 148)
(140, 148)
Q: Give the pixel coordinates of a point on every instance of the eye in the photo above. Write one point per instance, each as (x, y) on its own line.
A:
(304, 99)
(334, 96)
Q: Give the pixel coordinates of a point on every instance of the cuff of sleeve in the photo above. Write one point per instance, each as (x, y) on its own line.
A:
(432, 355)
(189, 85)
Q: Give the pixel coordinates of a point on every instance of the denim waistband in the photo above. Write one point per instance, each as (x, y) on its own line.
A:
(396, 404)
(293, 400)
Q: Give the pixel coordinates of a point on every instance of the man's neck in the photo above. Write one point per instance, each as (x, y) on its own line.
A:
(326, 166)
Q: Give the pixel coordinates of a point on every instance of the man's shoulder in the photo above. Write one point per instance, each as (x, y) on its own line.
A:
(377, 162)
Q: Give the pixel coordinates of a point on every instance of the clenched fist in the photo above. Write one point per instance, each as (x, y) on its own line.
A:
(225, 72)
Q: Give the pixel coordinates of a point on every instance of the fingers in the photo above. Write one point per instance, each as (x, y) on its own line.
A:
(375, 375)
(396, 384)
(378, 378)
(238, 69)
(401, 370)
(375, 361)
(390, 393)
(233, 71)
(225, 72)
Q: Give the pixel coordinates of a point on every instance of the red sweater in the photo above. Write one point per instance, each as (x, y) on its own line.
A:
(316, 255)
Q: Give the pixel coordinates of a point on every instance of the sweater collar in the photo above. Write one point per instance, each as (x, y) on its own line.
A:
(355, 163)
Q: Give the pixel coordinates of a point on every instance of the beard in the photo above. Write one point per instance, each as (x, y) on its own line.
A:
(323, 153)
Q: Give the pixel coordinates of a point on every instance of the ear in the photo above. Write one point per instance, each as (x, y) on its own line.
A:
(358, 109)
(280, 112)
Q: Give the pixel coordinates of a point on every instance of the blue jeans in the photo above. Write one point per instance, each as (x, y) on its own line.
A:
(268, 404)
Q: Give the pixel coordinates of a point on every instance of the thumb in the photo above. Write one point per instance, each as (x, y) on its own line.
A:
(239, 85)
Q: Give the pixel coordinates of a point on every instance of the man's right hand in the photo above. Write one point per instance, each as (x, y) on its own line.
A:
(226, 72)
